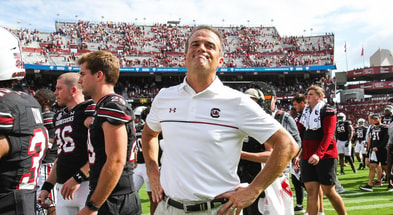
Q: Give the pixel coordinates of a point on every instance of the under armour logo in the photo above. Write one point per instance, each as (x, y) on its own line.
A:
(172, 110)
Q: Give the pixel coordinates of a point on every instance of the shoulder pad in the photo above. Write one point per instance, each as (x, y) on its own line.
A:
(330, 110)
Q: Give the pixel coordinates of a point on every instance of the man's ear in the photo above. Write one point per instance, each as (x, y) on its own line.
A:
(220, 62)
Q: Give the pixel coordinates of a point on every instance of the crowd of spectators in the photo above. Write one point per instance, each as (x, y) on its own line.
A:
(162, 45)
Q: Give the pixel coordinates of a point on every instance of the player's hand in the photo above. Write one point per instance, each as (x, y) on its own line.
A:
(296, 163)
(86, 211)
(237, 200)
(41, 200)
(69, 188)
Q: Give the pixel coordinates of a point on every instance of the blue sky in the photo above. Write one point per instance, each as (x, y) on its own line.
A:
(356, 23)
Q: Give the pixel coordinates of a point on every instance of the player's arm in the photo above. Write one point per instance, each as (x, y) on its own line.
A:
(4, 146)
(351, 132)
(116, 153)
(257, 157)
(88, 121)
(150, 148)
(48, 185)
(73, 183)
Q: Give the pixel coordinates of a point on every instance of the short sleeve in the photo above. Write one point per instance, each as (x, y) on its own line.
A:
(115, 112)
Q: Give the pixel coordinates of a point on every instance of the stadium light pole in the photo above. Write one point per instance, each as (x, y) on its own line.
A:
(223, 20)
(144, 21)
(248, 22)
(311, 31)
(193, 21)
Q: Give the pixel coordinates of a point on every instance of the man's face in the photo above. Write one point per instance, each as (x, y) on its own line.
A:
(63, 93)
(203, 53)
(87, 80)
(313, 98)
(298, 106)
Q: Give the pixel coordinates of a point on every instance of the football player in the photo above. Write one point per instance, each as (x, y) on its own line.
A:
(344, 133)
(23, 138)
(360, 143)
(71, 170)
(111, 139)
(47, 98)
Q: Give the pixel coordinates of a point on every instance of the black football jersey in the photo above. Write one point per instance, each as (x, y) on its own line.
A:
(360, 133)
(343, 130)
(71, 139)
(379, 136)
(387, 120)
(51, 154)
(21, 121)
(115, 110)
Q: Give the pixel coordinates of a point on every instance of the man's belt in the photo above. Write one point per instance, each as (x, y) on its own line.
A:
(196, 207)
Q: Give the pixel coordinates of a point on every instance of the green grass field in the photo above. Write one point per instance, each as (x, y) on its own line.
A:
(357, 202)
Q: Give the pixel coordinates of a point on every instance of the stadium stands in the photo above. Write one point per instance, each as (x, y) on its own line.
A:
(162, 45)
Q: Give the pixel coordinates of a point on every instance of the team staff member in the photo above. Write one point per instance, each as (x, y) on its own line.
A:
(71, 169)
(319, 156)
(198, 166)
(111, 139)
(23, 139)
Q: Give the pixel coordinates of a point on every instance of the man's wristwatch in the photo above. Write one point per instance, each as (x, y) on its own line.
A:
(92, 206)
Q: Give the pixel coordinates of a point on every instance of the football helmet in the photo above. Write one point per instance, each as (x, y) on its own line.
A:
(11, 61)
(341, 117)
(266, 93)
(361, 122)
(389, 108)
(138, 110)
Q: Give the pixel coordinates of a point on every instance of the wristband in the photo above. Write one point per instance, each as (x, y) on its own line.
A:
(47, 186)
(92, 206)
(79, 177)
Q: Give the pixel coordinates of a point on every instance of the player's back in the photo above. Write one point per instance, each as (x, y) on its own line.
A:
(21, 122)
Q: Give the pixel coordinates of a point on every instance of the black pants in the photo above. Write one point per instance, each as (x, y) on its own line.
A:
(299, 190)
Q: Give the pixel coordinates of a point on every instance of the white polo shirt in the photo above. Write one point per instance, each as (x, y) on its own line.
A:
(203, 136)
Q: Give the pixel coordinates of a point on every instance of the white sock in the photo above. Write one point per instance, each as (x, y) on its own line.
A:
(321, 213)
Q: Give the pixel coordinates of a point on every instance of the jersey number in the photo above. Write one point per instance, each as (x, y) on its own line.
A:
(63, 139)
(37, 146)
(90, 149)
